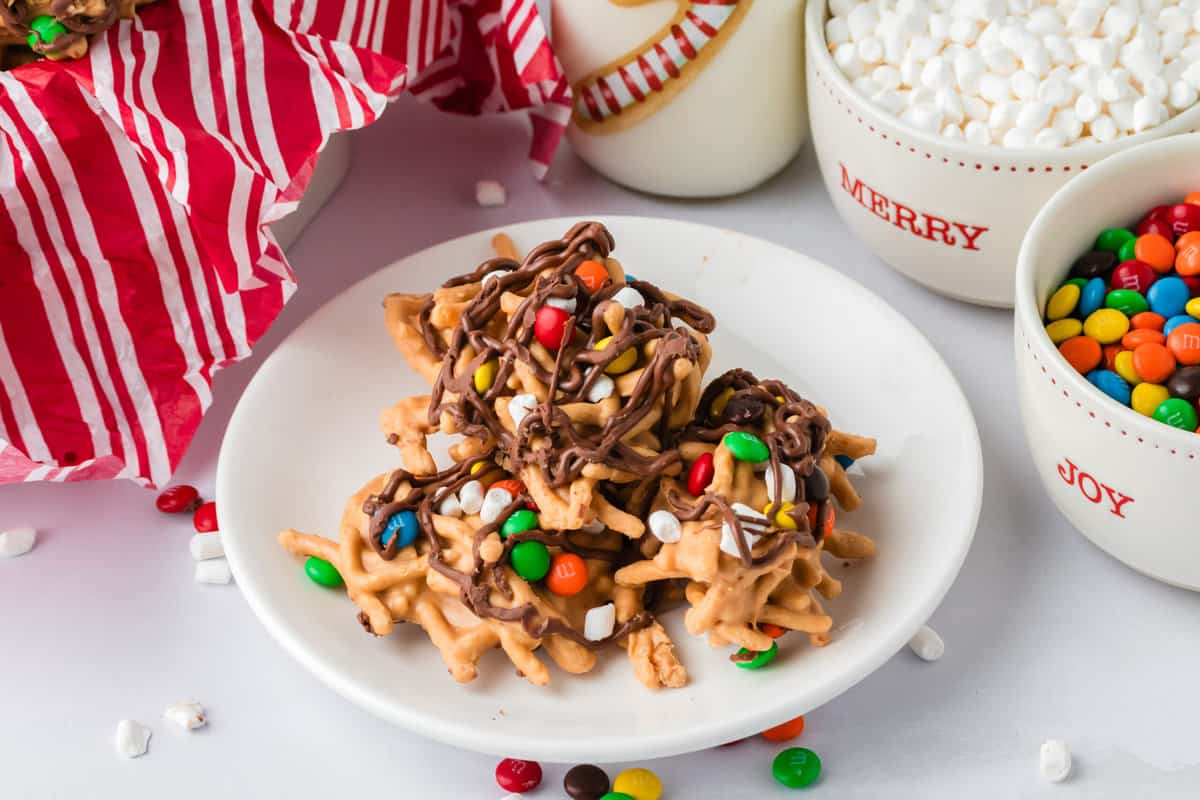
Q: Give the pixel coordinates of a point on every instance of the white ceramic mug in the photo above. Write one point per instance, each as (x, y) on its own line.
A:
(688, 98)
(1126, 482)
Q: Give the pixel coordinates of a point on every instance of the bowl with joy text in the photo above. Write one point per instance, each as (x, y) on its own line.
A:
(946, 213)
(1126, 481)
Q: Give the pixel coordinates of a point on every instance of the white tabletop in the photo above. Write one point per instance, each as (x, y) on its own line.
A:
(1045, 635)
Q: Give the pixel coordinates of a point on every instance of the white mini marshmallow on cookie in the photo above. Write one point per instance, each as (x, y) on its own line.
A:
(629, 297)
(1054, 761)
(17, 542)
(494, 503)
(470, 497)
(665, 526)
(599, 622)
(787, 481)
(448, 506)
(490, 193)
(214, 570)
(496, 273)
(187, 716)
(567, 304)
(601, 389)
(520, 406)
(206, 545)
(132, 739)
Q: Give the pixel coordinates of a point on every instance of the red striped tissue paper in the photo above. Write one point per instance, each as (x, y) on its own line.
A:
(137, 184)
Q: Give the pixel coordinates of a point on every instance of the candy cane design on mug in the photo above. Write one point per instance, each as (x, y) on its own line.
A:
(629, 89)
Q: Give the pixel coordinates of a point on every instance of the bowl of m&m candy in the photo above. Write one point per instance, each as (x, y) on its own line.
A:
(1108, 354)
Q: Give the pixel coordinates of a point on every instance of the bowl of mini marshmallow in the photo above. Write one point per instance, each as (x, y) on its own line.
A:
(943, 126)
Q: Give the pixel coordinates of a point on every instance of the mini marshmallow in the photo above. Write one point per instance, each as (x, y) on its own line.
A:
(1118, 22)
(924, 118)
(449, 506)
(1003, 116)
(1083, 19)
(1056, 92)
(963, 30)
(665, 526)
(1024, 85)
(846, 57)
(206, 545)
(886, 77)
(1049, 138)
(890, 102)
(1147, 113)
(729, 540)
(470, 497)
(1067, 123)
(861, 21)
(520, 406)
(870, 50)
(496, 273)
(939, 26)
(490, 193)
(599, 622)
(213, 570)
(1087, 107)
(1033, 116)
(1000, 60)
(601, 388)
(952, 131)
(1155, 87)
(1096, 52)
(567, 304)
(494, 503)
(1103, 128)
(1017, 137)
(836, 31)
(976, 132)
(1054, 761)
(17, 542)
(132, 739)
(595, 526)
(1181, 95)
(937, 74)
(976, 108)
(1045, 21)
(1174, 19)
(994, 88)
(1122, 114)
(1114, 86)
(787, 482)
(187, 716)
(629, 297)
(927, 644)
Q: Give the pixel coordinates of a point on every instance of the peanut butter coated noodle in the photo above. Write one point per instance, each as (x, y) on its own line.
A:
(605, 427)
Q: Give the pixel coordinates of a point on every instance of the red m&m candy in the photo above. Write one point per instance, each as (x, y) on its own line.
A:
(1133, 274)
(177, 499)
(205, 518)
(701, 474)
(515, 775)
(553, 327)
(1183, 218)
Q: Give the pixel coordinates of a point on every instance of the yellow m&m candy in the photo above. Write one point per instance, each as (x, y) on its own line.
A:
(1061, 330)
(1147, 396)
(1106, 325)
(1123, 366)
(485, 375)
(783, 518)
(640, 784)
(622, 363)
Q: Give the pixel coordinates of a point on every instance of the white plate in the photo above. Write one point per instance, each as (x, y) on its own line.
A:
(305, 436)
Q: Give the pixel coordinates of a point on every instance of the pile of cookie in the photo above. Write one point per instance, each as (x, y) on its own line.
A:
(595, 480)
(55, 29)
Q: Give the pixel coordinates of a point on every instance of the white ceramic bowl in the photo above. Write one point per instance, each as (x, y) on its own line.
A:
(920, 201)
(1091, 452)
(306, 434)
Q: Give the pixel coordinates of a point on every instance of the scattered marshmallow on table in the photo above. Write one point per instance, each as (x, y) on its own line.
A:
(213, 570)
(490, 193)
(187, 716)
(206, 545)
(927, 644)
(1026, 73)
(132, 739)
(1055, 760)
(16, 542)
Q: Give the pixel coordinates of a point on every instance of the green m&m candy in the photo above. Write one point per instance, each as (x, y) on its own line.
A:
(1127, 301)
(1112, 239)
(44, 30)
(760, 659)
(322, 572)
(1128, 250)
(520, 521)
(531, 560)
(1177, 412)
(617, 796)
(796, 767)
(746, 447)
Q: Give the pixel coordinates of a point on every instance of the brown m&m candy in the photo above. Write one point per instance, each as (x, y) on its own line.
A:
(585, 782)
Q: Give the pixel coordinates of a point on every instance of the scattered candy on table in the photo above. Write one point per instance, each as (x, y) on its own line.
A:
(205, 546)
(640, 784)
(17, 542)
(1126, 317)
(515, 775)
(796, 767)
(786, 731)
(205, 518)
(187, 716)
(927, 644)
(585, 782)
(490, 194)
(214, 570)
(178, 499)
(132, 739)
(322, 572)
(749, 660)
(1055, 760)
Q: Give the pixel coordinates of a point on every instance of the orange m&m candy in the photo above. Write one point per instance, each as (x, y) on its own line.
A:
(774, 631)
(1187, 254)
(1156, 250)
(1147, 320)
(1082, 353)
(568, 574)
(592, 273)
(1153, 363)
(1111, 351)
(1184, 343)
(785, 732)
(829, 519)
(1134, 338)
(510, 485)
(1193, 198)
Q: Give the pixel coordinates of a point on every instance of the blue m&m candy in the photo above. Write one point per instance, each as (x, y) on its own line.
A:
(1092, 297)
(1111, 384)
(401, 526)
(1175, 321)
(1168, 296)
(845, 461)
